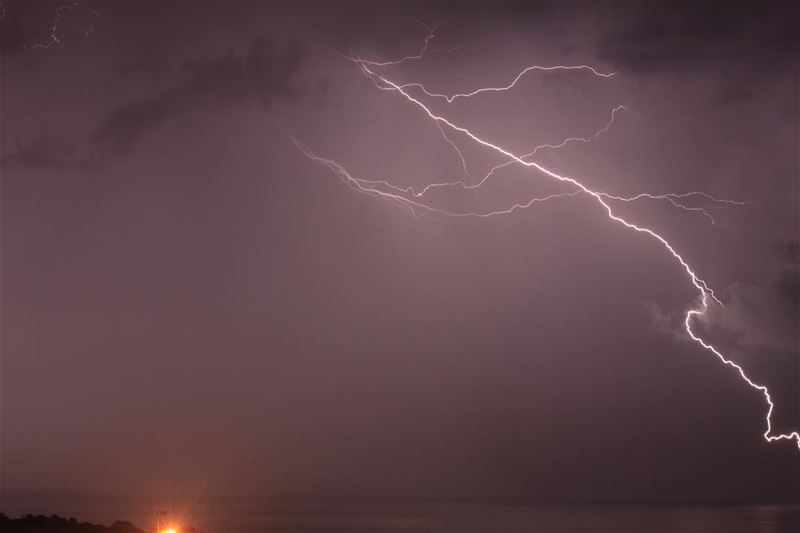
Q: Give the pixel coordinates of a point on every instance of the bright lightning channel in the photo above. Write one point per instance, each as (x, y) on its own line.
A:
(415, 205)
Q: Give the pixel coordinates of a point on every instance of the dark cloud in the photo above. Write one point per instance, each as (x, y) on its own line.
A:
(787, 279)
(150, 64)
(394, 27)
(765, 316)
(265, 72)
(12, 32)
(665, 323)
(43, 151)
(688, 36)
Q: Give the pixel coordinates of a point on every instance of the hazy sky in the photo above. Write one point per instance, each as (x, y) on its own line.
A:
(190, 304)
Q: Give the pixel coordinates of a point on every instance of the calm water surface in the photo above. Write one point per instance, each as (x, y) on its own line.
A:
(296, 517)
(468, 518)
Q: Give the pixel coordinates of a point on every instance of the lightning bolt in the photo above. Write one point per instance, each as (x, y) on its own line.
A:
(451, 98)
(424, 51)
(412, 200)
(60, 12)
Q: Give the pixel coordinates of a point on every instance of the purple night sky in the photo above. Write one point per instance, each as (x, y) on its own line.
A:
(191, 304)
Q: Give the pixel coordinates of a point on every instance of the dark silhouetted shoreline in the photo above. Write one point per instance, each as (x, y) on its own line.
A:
(57, 524)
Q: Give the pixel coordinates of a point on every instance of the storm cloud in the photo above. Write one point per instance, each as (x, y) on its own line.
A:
(205, 309)
(686, 38)
(266, 71)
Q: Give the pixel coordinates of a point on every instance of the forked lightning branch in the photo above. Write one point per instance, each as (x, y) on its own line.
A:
(416, 94)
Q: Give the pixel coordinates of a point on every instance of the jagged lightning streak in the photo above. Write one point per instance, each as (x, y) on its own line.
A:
(488, 175)
(676, 200)
(424, 51)
(413, 206)
(60, 11)
(602, 199)
(451, 98)
(673, 199)
(455, 148)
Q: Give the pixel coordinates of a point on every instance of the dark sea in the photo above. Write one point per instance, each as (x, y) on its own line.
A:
(468, 518)
(338, 517)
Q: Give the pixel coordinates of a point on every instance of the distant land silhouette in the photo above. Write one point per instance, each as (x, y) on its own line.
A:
(57, 524)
